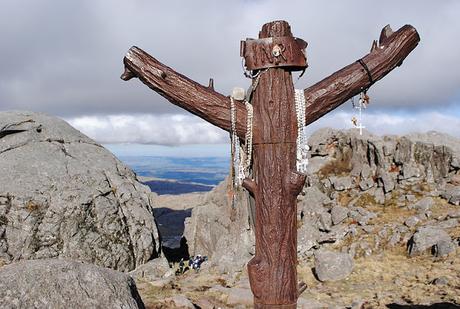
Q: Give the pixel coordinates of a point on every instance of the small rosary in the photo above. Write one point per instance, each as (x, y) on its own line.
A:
(362, 104)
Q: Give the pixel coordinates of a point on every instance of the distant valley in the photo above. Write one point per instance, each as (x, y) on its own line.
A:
(172, 175)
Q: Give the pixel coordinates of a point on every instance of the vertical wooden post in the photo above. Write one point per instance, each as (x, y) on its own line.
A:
(272, 271)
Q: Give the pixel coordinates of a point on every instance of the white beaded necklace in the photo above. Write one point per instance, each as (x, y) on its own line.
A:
(242, 158)
(302, 146)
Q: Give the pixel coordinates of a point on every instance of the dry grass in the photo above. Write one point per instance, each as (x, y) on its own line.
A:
(32, 206)
(387, 278)
(338, 167)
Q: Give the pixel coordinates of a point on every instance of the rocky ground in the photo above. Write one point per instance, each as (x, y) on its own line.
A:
(382, 274)
(378, 226)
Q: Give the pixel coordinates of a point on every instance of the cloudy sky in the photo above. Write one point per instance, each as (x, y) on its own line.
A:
(65, 58)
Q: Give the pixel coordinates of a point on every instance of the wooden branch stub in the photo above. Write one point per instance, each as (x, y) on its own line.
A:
(339, 87)
(211, 84)
(198, 99)
(127, 75)
(295, 182)
(374, 45)
(250, 185)
(385, 34)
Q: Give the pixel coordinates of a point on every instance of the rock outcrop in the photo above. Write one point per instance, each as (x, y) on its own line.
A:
(63, 195)
(221, 229)
(352, 181)
(53, 283)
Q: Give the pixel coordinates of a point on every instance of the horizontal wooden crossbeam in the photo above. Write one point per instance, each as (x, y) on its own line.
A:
(322, 97)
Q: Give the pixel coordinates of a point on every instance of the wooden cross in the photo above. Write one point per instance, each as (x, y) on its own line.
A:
(275, 183)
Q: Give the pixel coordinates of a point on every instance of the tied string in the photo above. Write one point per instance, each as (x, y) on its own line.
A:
(369, 75)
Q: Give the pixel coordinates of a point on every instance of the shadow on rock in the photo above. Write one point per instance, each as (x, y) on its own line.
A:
(171, 227)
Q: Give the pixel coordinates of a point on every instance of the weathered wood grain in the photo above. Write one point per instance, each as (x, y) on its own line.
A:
(272, 271)
(181, 91)
(322, 97)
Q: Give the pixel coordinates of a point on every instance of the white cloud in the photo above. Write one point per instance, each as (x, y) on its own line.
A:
(178, 129)
(149, 129)
(385, 123)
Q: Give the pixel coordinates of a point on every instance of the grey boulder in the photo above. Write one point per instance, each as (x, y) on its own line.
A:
(431, 238)
(332, 266)
(53, 283)
(452, 195)
(63, 195)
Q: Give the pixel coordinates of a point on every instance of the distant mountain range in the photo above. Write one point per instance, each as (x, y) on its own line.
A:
(172, 175)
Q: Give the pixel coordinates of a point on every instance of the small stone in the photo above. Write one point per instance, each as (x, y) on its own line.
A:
(423, 205)
(341, 183)
(338, 214)
(411, 172)
(332, 266)
(357, 304)
(379, 196)
(204, 303)
(394, 240)
(180, 301)
(160, 283)
(366, 172)
(454, 214)
(412, 221)
(368, 228)
(445, 247)
(387, 181)
(383, 233)
(152, 270)
(304, 303)
(455, 180)
(337, 233)
(440, 281)
(325, 221)
(366, 184)
(447, 224)
(452, 195)
(239, 296)
(308, 236)
(361, 215)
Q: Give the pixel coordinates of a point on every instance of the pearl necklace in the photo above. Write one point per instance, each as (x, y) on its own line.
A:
(302, 146)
